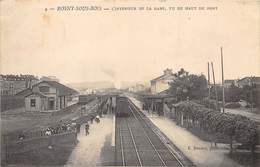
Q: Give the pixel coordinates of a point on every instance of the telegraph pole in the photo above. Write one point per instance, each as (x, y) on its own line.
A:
(251, 93)
(215, 88)
(209, 82)
(223, 88)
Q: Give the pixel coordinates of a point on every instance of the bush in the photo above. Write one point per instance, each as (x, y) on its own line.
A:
(236, 127)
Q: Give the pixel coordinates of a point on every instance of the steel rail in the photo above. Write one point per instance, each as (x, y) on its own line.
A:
(122, 147)
(137, 153)
(130, 102)
(164, 164)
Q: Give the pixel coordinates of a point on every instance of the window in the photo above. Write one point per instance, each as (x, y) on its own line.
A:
(33, 102)
(44, 89)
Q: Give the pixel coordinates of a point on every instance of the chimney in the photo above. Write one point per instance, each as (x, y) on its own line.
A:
(167, 71)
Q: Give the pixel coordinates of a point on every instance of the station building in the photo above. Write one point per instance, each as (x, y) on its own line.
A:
(47, 96)
(161, 83)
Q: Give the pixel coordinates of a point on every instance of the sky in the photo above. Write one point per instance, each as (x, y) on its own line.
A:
(128, 45)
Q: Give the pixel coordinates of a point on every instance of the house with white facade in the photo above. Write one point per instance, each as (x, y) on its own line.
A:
(161, 83)
(48, 96)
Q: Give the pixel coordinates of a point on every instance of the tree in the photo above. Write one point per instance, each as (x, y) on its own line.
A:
(233, 93)
(249, 94)
(187, 85)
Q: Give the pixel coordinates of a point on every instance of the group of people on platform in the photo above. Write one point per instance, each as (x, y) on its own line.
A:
(59, 129)
(64, 127)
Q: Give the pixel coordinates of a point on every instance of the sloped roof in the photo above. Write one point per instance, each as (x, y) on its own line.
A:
(247, 79)
(24, 92)
(63, 90)
(164, 92)
(162, 77)
(36, 93)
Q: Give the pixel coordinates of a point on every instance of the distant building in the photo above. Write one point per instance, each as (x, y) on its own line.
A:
(161, 83)
(88, 91)
(229, 82)
(47, 95)
(49, 78)
(136, 88)
(248, 81)
(12, 84)
(251, 81)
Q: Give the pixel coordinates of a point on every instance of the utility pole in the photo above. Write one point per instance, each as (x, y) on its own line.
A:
(251, 93)
(215, 87)
(209, 82)
(223, 88)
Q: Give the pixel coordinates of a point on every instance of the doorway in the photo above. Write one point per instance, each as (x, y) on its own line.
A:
(51, 103)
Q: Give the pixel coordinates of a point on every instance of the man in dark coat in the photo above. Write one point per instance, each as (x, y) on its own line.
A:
(87, 128)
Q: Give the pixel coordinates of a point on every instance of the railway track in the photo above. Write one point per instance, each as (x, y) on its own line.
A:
(137, 144)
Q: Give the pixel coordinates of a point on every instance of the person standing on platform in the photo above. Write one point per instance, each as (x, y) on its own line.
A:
(87, 129)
